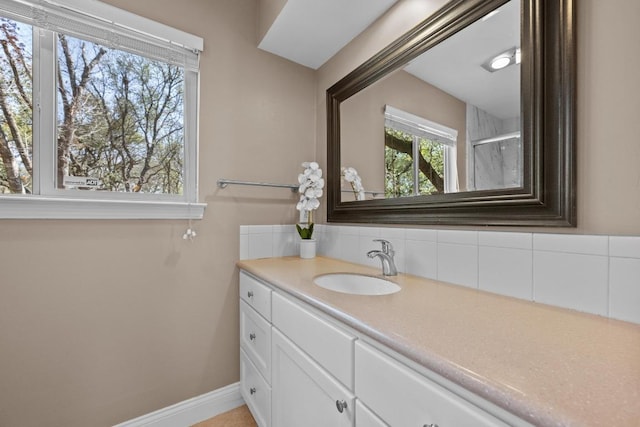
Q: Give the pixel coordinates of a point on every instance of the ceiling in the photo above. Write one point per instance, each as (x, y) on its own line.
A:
(455, 65)
(310, 32)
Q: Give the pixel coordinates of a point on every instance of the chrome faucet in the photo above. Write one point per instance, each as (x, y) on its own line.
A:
(386, 256)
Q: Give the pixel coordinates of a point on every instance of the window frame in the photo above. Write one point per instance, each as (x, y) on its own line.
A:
(419, 127)
(49, 202)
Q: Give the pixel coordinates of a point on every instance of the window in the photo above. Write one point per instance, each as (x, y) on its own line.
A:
(420, 155)
(98, 113)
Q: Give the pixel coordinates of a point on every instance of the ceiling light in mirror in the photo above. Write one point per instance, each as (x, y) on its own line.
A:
(500, 62)
(503, 60)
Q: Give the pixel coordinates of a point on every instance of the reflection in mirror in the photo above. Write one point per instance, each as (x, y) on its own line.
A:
(514, 148)
(496, 162)
(448, 121)
(419, 155)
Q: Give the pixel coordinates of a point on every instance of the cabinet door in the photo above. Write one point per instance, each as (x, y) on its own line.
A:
(303, 394)
(328, 345)
(255, 391)
(366, 418)
(402, 397)
(255, 339)
(256, 294)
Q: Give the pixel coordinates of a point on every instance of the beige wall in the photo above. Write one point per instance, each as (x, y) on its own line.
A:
(138, 319)
(362, 123)
(608, 129)
(608, 117)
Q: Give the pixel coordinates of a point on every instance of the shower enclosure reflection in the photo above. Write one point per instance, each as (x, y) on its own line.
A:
(495, 158)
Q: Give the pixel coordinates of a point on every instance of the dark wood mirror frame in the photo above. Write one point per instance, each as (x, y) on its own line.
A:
(548, 83)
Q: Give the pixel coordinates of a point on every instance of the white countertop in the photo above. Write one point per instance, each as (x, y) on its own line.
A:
(549, 366)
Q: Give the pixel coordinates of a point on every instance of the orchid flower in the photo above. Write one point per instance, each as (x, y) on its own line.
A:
(351, 176)
(310, 190)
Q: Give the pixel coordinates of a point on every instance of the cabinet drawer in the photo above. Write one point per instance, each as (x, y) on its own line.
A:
(403, 397)
(256, 294)
(331, 347)
(304, 394)
(255, 339)
(366, 418)
(255, 391)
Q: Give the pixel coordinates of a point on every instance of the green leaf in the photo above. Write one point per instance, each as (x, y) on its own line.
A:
(304, 232)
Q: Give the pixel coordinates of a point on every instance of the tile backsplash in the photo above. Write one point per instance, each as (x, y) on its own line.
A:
(594, 274)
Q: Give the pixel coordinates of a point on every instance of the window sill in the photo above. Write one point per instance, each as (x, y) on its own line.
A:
(34, 207)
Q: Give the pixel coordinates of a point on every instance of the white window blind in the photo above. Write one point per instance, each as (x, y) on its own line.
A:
(112, 28)
(406, 122)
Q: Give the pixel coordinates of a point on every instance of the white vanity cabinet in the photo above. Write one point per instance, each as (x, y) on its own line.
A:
(401, 396)
(300, 367)
(366, 418)
(296, 368)
(312, 368)
(255, 339)
(303, 393)
(255, 348)
(255, 391)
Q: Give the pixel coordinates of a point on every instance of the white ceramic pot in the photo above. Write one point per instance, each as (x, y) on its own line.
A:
(307, 248)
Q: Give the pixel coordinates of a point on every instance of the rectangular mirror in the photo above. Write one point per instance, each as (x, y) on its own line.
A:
(466, 119)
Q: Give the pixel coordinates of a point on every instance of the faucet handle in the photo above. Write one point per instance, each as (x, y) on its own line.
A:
(387, 247)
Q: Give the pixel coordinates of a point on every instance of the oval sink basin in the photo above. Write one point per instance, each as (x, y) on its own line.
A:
(358, 284)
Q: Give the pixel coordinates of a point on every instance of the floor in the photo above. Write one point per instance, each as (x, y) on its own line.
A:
(238, 417)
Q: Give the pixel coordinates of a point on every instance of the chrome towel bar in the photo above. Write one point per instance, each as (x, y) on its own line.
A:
(223, 183)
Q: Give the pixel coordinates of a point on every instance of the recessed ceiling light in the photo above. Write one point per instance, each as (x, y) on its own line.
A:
(500, 62)
(503, 60)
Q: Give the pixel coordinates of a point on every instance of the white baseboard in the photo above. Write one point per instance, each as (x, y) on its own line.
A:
(191, 411)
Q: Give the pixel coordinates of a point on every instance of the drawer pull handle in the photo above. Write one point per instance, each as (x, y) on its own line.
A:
(252, 390)
(250, 294)
(341, 405)
(430, 425)
(252, 336)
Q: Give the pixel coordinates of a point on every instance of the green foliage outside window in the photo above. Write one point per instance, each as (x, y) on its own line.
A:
(120, 116)
(399, 165)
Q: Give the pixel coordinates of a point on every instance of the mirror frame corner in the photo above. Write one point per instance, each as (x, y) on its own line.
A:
(548, 97)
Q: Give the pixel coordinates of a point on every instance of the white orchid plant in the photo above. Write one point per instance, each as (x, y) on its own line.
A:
(310, 190)
(351, 176)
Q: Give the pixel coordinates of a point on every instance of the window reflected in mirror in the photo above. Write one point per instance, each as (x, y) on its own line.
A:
(419, 155)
